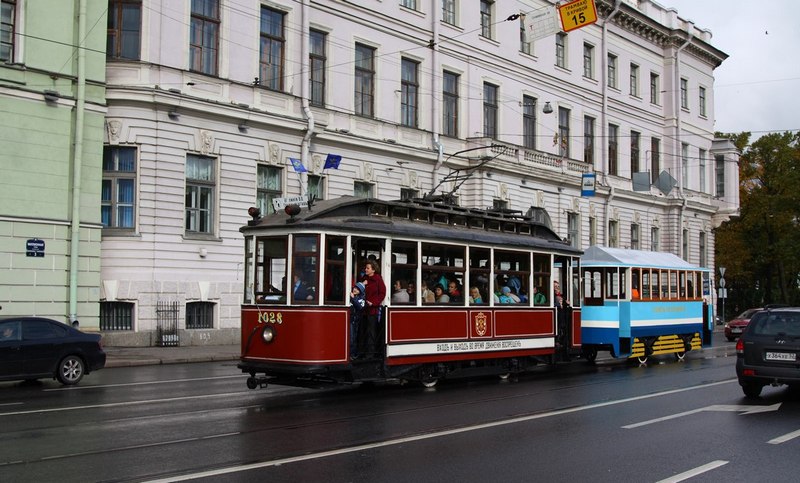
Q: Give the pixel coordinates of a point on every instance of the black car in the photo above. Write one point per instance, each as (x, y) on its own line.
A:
(36, 347)
(768, 352)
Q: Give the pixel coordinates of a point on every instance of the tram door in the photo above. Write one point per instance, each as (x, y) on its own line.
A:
(563, 294)
(367, 249)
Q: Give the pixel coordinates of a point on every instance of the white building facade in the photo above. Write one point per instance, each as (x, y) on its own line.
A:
(208, 101)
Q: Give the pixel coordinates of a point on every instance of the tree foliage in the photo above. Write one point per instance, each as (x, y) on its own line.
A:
(761, 248)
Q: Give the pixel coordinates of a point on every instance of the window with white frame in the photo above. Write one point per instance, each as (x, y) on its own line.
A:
(573, 229)
(655, 94)
(316, 187)
(634, 80)
(685, 164)
(118, 193)
(684, 93)
(8, 20)
(200, 315)
(613, 233)
(317, 64)
(269, 185)
(407, 194)
(563, 131)
(409, 87)
(204, 37)
(200, 194)
(364, 80)
(702, 100)
(524, 47)
(363, 189)
(123, 36)
(635, 148)
(588, 139)
(490, 109)
(450, 101)
(449, 12)
(719, 161)
(702, 155)
(588, 61)
(561, 50)
(529, 122)
(412, 4)
(487, 7)
(612, 71)
(613, 149)
(271, 54)
(635, 242)
(655, 239)
(655, 159)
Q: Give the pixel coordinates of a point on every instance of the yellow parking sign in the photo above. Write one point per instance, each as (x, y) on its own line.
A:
(577, 14)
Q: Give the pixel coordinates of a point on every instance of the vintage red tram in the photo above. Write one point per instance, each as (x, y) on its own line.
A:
(503, 317)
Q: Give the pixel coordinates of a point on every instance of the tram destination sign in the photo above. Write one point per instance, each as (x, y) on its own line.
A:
(280, 203)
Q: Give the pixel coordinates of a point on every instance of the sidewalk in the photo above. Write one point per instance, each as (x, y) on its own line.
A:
(144, 356)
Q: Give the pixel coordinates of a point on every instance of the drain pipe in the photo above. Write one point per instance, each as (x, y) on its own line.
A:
(436, 76)
(77, 159)
(304, 91)
(682, 217)
(603, 121)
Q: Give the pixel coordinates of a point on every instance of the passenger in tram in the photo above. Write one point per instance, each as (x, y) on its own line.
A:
(475, 296)
(357, 304)
(538, 297)
(428, 296)
(454, 292)
(505, 296)
(412, 292)
(301, 290)
(441, 296)
(635, 290)
(375, 293)
(399, 292)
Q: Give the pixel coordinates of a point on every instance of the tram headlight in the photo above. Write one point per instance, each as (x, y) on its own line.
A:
(268, 334)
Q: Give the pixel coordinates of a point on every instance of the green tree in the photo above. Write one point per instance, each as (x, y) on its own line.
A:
(761, 248)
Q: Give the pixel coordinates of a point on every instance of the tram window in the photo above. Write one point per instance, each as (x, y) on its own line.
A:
(690, 285)
(400, 212)
(664, 278)
(615, 281)
(510, 227)
(673, 284)
(682, 284)
(458, 221)
(636, 277)
(655, 292)
(492, 225)
(421, 215)
(479, 273)
(645, 286)
(305, 273)
(513, 270)
(541, 276)
(379, 210)
(476, 223)
(270, 283)
(335, 269)
(443, 264)
(404, 268)
(440, 218)
(524, 229)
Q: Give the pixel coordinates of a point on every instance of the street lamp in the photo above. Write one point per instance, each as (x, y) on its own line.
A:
(722, 292)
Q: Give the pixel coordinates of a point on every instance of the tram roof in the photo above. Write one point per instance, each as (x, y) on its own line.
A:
(599, 256)
(372, 216)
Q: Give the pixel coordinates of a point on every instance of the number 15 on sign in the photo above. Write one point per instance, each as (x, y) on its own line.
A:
(577, 14)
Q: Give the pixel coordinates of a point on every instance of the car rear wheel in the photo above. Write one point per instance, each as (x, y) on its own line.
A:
(752, 389)
(70, 370)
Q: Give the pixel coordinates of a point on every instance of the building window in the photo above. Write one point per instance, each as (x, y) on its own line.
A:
(316, 187)
(612, 71)
(561, 50)
(450, 100)
(684, 94)
(685, 244)
(412, 4)
(655, 97)
(563, 132)
(268, 187)
(486, 18)
(613, 149)
(407, 194)
(364, 80)
(490, 110)
(409, 93)
(499, 205)
(635, 236)
(317, 62)
(613, 233)
(204, 36)
(529, 122)
(720, 175)
(588, 140)
(635, 166)
(702, 100)
(592, 231)
(703, 255)
(449, 11)
(524, 47)
(655, 159)
(655, 239)
(362, 189)
(702, 155)
(573, 230)
(685, 164)
(634, 80)
(116, 316)
(270, 62)
(8, 12)
(200, 315)
(588, 61)
(124, 29)
(118, 204)
(200, 189)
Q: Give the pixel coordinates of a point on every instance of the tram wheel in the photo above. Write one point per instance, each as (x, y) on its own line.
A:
(642, 359)
(680, 356)
(505, 376)
(429, 382)
(590, 354)
(426, 376)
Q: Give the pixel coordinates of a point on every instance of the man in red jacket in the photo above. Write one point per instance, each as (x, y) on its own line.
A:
(375, 294)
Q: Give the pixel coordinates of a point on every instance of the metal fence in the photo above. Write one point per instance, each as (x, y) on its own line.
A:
(167, 324)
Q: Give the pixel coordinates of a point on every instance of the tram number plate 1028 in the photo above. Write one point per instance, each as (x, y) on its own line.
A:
(781, 356)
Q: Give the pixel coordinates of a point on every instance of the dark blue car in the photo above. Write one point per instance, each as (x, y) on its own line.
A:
(36, 347)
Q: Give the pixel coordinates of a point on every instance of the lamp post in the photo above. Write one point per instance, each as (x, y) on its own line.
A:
(722, 292)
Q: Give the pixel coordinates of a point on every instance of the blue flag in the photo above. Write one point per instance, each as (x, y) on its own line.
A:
(332, 161)
(298, 165)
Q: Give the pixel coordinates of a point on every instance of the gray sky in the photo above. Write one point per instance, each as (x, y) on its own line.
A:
(757, 88)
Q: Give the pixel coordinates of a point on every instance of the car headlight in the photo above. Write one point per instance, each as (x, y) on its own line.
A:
(268, 334)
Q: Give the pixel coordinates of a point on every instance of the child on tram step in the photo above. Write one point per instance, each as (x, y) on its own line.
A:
(369, 343)
(357, 304)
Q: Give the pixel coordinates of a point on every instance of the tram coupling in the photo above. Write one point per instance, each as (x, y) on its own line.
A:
(254, 382)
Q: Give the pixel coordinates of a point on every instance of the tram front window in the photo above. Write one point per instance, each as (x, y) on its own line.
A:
(270, 274)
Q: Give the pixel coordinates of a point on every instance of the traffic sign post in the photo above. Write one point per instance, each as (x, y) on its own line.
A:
(723, 292)
(577, 14)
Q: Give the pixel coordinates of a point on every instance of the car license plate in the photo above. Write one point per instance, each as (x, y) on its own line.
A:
(781, 356)
(736, 331)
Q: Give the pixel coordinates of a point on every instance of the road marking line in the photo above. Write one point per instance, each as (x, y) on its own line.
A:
(422, 437)
(76, 388)
(694, 472)
(717, 407)
(12, 404)
(785, 437)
